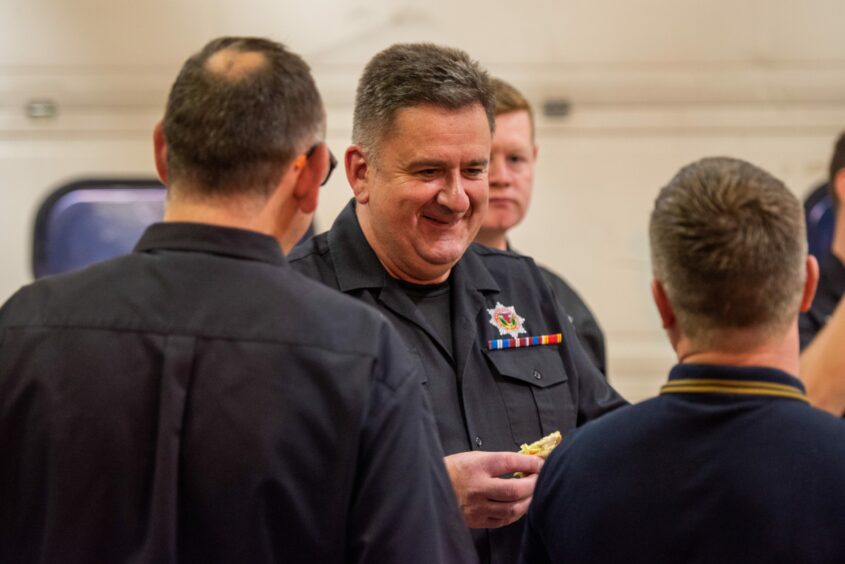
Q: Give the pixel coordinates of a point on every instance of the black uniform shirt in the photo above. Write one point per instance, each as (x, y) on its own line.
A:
(482, 399)
(830, 290)
(199, 401)
(728, 464)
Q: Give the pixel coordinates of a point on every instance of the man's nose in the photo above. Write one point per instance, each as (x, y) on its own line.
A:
(453, 195)
(499, 174)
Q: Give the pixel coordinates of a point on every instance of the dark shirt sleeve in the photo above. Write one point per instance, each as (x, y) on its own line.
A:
(595, 395)
(586, 326)
(541, 538)
(533, 548)
(5, 313)
(809, 326)
(404, 508)
(828, 295)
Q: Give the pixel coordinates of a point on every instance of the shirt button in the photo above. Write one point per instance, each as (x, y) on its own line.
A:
(537, 375)
(478, 442)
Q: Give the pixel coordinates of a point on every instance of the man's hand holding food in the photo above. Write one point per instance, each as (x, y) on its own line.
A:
(488, 495)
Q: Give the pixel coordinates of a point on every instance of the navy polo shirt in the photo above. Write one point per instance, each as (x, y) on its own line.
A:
(728, 464)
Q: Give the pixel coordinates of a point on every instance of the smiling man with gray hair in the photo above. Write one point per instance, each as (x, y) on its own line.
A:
(498, 359)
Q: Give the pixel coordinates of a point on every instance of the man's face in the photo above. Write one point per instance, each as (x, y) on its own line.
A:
(425, 194)
(511, 172)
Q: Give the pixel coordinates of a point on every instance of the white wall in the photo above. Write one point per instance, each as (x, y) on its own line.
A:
(653, 84)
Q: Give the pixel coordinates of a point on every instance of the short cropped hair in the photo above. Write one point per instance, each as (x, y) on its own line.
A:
(837, 163)
(413, 74)
(508, 99)
(728, 245)
(232, 128)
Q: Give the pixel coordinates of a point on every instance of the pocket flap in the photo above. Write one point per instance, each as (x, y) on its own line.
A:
(538, 366)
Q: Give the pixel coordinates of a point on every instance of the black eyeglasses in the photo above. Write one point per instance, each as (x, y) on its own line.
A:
(332, 161)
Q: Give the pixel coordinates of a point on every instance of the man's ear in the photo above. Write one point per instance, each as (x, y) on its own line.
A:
(664, 307)
(311, 172)
(810, 283)
(160, 150)
(357, 172)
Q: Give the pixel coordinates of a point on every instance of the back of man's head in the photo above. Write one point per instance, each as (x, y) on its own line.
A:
(837, 163)
(728, 246)
(413, 74)
(508, 99)
(239, 112)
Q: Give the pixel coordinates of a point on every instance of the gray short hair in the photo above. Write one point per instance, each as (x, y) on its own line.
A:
(412, 74)
(728, 244)
(231, 129)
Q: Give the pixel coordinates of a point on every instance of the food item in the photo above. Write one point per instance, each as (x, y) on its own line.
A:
(542, 447)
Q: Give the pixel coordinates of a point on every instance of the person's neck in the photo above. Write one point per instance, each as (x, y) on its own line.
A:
(743, 348)
(220, 215)
(492, 239)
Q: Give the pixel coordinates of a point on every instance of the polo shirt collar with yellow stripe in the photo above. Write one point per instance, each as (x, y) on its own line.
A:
(737, 381)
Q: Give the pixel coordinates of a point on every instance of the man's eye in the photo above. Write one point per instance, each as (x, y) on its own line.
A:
(474, 171)
(516, 159)
(427, 172)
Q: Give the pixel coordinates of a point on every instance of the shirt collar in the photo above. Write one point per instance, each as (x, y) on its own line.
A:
(357, 265)
(724, 373)
(213, 239)
(471, 267)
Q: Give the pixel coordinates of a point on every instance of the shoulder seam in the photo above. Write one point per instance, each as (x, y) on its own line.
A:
(185, 333)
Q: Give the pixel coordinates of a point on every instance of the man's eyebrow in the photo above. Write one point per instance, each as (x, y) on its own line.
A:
(437, 163)
(427, 163)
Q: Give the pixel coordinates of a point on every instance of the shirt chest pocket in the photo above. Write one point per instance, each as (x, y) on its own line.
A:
(533, 386)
